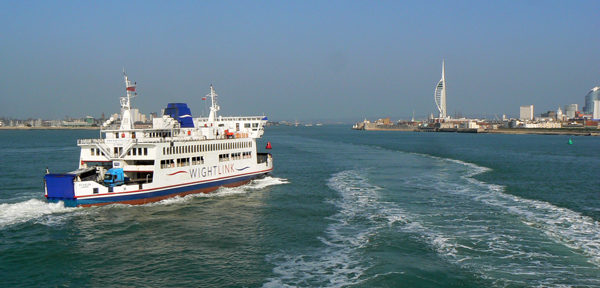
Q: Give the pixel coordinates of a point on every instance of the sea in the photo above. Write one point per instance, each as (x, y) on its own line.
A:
(342, 208)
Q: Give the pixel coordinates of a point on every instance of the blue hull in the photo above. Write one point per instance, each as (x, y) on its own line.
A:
(153, 195)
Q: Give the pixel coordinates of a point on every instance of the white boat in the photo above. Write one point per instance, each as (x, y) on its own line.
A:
(179, 155)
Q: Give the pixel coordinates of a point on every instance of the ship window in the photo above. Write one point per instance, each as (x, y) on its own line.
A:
(181, 162)
(139, 151)
(145, 151)
(164, 150)
(134, 152)
(197, 160)
(92, 151)
(246, 125)
(254, 125)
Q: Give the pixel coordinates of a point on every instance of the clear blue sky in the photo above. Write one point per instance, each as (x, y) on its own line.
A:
(297, 59)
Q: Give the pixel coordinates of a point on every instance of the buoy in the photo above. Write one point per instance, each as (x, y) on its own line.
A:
(189, 132)
(570, 142)
(268, 145)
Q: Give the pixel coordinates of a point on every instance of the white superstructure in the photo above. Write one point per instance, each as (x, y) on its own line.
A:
(179, 155)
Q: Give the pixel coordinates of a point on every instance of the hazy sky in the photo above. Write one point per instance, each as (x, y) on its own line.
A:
(297, 59)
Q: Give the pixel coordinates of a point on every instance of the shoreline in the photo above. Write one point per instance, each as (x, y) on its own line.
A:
(570, 132)
(50, 128)
(520, 131)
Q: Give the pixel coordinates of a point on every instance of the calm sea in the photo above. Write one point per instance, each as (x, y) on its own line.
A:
(343, 208)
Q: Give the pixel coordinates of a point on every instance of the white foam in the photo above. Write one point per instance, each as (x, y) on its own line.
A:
(339, 262)
(565, 226)
(21, 212)
(256, 184)
(476, 226)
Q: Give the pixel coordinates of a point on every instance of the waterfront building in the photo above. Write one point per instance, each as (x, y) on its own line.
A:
(440, 94)
(559, 115)
(596, 114)
(571, 110)
(589, 100)
(549, 115)
(526, 112)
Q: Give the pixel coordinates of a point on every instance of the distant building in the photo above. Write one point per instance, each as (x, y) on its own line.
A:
(526, 112)
(549, 115)
(559, 115)
(76, 123)
(440, 95)
(571, 110)
(596, 114)
(589, 100)
(135, 114)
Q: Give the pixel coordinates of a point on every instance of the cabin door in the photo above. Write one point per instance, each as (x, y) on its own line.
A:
(237, 127)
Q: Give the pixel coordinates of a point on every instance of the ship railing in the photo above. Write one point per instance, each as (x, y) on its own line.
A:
(236, 119)
(102, 141)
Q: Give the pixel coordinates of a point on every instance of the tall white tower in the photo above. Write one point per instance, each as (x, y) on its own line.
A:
(440, 94)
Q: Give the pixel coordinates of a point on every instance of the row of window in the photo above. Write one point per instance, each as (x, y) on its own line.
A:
(96, 151)
(205, 147)
(179, 149)
(139, 151)
(119, 150)
(235, 156)
(181, 162)
(247, 125)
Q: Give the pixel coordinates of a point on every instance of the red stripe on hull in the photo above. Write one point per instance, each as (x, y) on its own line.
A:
(159, 198)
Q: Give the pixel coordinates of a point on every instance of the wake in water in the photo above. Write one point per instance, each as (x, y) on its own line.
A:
(17, 213)
(34, 209)
(256, 184)
(504, 238)
(339, 262)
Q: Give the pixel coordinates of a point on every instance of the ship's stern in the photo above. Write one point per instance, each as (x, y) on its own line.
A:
(60, 187)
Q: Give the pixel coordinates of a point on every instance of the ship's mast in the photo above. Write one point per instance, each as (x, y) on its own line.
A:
(126, 120)
(214, 107)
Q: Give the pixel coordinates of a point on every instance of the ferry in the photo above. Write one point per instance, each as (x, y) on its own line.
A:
(177, 156)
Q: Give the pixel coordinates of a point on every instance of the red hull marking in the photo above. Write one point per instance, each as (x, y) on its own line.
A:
(159, 198)
(257, 174)
(177, 173)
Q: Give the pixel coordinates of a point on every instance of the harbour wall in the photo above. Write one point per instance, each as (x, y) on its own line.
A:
(375, 126)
